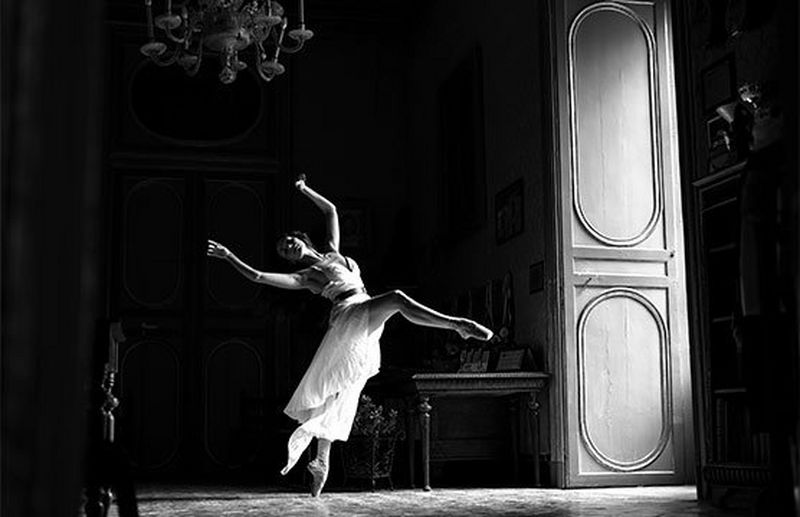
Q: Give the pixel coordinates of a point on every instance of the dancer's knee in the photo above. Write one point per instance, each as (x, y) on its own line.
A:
(399, 298)
(385, 306)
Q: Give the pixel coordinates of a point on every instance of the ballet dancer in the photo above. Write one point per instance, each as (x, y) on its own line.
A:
(326, 399)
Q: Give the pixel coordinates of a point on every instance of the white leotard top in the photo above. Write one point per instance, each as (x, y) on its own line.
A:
(336, 278)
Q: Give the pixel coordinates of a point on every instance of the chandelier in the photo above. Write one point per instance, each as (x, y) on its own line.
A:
(225, 28)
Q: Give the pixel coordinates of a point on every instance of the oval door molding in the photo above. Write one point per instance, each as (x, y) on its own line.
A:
(170, 293)
(258, 224)
(665, 383)
(246, 348)
(167, 351)
(656, 176)
(195, 111)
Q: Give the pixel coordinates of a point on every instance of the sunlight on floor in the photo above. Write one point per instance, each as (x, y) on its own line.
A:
(234, 502)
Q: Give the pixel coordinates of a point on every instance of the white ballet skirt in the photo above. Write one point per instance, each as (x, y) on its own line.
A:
(326, 399)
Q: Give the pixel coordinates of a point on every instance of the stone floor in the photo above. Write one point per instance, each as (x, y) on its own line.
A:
(680, 501)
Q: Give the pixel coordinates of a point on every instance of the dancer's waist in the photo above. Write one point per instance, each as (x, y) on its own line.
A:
(347, 294)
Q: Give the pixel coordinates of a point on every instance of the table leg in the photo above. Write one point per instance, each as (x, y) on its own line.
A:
(533, 406)
(425, 419)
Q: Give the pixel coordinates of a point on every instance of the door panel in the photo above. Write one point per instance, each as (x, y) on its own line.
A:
(624, 352)
(152, 242)
(236, 216)
(233, 380)
(624, 393)
(149, 388)
(613, 111)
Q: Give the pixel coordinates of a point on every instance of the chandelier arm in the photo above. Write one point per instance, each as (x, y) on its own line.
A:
(295, 48)
(262, 74)
(279, 41)
(148, 4)
(198, 54)
(174, 38)
(169, 60)
(193, 71)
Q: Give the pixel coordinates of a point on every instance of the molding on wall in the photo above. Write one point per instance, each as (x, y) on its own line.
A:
(192, 161)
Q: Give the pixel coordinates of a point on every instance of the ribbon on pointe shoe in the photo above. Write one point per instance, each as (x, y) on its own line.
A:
(319, 475)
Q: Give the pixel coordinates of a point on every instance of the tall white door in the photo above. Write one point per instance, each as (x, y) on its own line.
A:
(624, 361)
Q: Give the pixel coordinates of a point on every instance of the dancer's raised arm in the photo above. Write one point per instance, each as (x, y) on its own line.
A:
(328, 208)
(281, 280)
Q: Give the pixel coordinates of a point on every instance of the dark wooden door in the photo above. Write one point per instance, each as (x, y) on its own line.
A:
(194, 378)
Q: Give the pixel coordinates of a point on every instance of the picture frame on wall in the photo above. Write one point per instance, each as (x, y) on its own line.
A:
(718, 82)
(509, 212)
(717, 135)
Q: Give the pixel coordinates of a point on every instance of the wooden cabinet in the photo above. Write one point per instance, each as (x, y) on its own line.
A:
(734, 454)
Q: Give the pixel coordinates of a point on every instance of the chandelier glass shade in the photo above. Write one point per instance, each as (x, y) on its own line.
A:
(225, 28)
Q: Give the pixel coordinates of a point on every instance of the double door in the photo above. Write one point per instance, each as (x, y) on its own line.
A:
(197, 381)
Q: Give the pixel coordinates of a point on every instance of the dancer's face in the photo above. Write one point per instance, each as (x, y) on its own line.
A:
(291, 248)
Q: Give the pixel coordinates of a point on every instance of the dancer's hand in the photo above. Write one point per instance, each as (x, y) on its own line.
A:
(217, 250)
(300, 182)
(328, 208)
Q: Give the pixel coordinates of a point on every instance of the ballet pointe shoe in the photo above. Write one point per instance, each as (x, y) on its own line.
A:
(470, 329)
(319, 475)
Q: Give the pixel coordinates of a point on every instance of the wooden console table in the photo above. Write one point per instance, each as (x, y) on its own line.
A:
(428, 386)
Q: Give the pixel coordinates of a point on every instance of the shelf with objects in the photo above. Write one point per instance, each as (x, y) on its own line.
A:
(737, 206)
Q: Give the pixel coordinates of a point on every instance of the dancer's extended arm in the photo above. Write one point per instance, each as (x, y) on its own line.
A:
(328, 208)
(281, 280)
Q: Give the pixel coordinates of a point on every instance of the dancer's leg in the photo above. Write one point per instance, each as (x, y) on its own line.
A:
(384, 306)
(319, 466)
(323, 450)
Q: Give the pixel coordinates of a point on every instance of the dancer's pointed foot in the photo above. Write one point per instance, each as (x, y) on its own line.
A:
(319, 475)
(470, 329)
